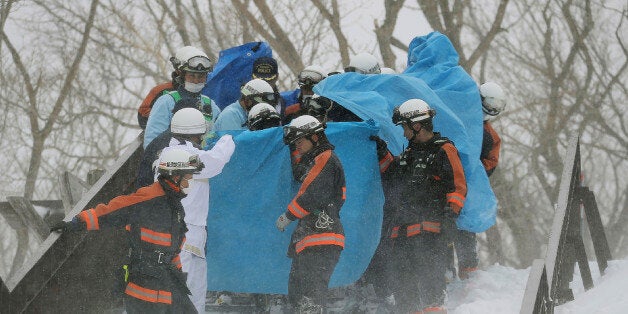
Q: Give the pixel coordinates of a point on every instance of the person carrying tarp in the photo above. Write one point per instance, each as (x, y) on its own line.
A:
(154, 217)
(431, 186)
(319, 238)
(464, 242)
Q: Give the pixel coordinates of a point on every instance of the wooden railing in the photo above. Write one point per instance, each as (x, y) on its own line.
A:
(548, 283)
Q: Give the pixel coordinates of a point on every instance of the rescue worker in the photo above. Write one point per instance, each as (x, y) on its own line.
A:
(493, 102)
(364, 63)
(318, 107)
(465, 242)
(147, 104)
(186, 125)
(154, 217)
(307, 79)
(263, 116)
(266, 68)
(429, 185)
(318, 239)
(193, 64)
(196, 203)
(235, 115)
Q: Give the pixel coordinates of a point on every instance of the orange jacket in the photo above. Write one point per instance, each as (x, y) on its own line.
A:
(154, 218)
(491, 144)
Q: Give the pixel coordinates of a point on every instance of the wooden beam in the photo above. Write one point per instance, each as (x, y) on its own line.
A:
(30, 217)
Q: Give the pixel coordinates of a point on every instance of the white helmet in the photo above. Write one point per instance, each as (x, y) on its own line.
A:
(493, 98)
(259, 91)
(386, 70)
(188, 121)
(311, 75)
(300, 127)
(178, 162)
(191, 59)
(263, 116)
(412, 110)
(364, 63)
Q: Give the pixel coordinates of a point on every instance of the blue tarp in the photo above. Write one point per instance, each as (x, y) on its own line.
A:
(245, 251)
(233, 69)
(433, 75)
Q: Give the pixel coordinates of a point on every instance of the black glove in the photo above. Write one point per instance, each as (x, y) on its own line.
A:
(382, 147)
(63, 226)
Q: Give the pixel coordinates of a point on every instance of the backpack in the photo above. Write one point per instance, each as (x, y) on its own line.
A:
(147, 104)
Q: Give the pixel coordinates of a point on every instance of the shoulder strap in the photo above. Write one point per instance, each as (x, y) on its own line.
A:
(175, 95)
(206, 100)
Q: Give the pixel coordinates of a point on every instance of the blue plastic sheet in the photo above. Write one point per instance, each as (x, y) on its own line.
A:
(245, 251)
(233, 69)
(433, 75)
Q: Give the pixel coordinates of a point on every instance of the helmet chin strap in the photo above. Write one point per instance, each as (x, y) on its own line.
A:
(415, 132)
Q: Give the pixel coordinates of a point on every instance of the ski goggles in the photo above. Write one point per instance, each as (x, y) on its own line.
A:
(374, 70)
(270, 98)
(308, 77)
(198, 64)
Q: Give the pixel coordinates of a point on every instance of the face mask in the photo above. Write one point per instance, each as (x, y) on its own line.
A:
(189, 188)
(194, 87)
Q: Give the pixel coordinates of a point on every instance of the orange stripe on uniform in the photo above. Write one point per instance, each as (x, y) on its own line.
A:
(148, 295)
(460, 183)
(385, 162)
(319, 162)
(90, 219)
(297, 210)
(431, 226)
(155, 237)
(320, 239)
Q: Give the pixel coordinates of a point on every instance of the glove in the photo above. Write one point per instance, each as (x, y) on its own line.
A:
(282, 222)
(382, 147)
(62, 226)
(450, 213)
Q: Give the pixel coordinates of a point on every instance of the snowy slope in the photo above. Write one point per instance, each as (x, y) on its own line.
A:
(500, 289)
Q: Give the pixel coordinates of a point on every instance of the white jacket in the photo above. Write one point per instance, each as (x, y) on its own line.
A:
(196, 203)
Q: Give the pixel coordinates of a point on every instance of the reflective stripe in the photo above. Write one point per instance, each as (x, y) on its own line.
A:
(456, 198)
(385, 162)
(148, 295)
(434, 310)
(297, 210)
(321, 239)
(176, 261)
(90, 218)
(395, 232)
(413, 230)
(344, 192)
(154, 237)
(431, 226)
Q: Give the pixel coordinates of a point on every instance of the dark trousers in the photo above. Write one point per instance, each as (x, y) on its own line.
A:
(417, 271)
(466, 249)
(310, 273)
(375, 273)
(181, 303)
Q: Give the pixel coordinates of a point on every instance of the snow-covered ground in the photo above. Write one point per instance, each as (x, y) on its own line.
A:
(499, 289)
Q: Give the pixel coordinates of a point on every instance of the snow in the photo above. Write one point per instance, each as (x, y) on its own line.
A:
(499, 289)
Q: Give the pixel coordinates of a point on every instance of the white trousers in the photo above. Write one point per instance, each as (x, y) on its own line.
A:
(196, 267)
